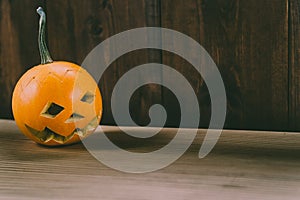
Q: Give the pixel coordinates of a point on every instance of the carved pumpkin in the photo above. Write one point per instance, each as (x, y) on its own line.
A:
(56, 103)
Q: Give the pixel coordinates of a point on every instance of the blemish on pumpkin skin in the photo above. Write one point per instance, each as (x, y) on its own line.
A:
(34, 84)
(67, 72)
(30, 81)
(55, 76)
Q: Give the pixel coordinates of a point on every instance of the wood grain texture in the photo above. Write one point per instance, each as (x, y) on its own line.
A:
(76, 27)
(18, 46)
(252, 42)
(294, 62)
(174, 16)
(243, 165)
(250, 50)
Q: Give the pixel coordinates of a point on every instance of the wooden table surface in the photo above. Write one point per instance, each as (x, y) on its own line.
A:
(243, 165)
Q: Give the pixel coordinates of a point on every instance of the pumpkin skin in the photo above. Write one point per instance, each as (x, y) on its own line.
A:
(57, 103)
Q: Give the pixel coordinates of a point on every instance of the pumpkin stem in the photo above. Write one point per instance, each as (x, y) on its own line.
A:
(44, 53)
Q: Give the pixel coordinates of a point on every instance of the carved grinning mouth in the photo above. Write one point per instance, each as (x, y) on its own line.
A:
(47, 134)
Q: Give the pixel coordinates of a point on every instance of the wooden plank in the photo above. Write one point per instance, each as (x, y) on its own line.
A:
(294, 70)
(183, 17)
(243, 165)
(84, 24)
(18, 46)
(248, 41)
(229, 31)
(149, 94)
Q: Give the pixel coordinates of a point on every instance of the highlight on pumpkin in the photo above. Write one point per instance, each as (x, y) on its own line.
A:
(56, 103)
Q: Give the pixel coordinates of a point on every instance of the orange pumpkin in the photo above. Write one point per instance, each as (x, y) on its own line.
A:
(56, 103)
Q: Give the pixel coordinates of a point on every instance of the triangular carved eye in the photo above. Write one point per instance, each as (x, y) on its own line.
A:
(51, 110)
(74, 117)
(88, 97)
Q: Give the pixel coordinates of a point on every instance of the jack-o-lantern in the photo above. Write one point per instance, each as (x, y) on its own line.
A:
(56, 103)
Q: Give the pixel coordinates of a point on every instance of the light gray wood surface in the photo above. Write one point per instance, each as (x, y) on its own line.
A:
(243, 165)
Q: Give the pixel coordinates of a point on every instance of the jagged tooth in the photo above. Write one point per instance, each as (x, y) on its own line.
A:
(94, 122)
(32, 130)
(92, 125)
(49, 137)
(79, 132)
(69, 137)
(47, 134)
(89, 128)
(43, 135)
(59, 138)
(40, 134)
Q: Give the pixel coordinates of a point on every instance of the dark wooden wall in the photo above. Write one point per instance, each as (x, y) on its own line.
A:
(254, 43)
